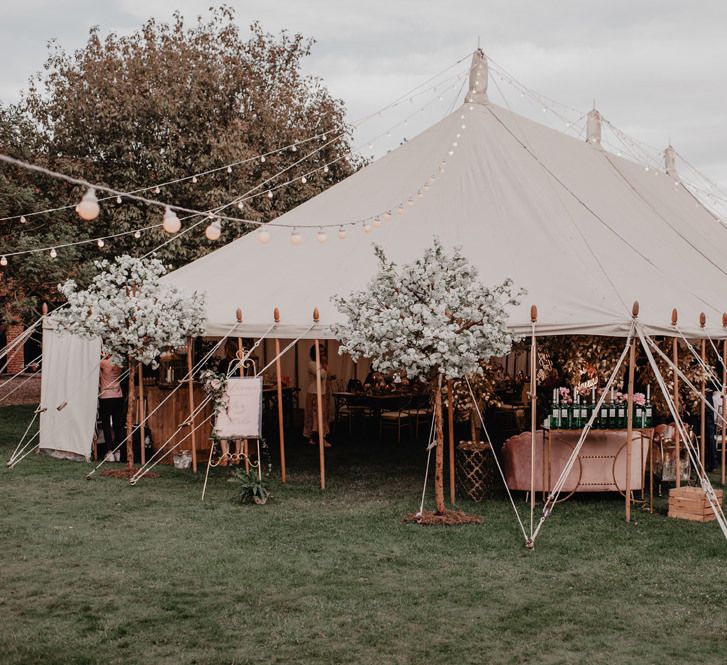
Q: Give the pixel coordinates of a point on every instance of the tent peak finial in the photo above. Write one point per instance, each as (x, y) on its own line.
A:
(593, 126)
(670, 162)
(479, 74)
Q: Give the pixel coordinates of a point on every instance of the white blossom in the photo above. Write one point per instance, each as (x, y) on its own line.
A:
(134, 315)
(429, 317)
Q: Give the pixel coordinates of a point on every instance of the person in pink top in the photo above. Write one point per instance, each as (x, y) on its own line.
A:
(111, 407)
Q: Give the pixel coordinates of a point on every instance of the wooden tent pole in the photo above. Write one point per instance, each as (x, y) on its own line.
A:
(142, 413)
(450, 424)
(703, 409)
(281, 423)
(675, 360)
(630, 416)
(533, 411)
(724, 395)
(130, 418)
(190, 387)
(319, 407)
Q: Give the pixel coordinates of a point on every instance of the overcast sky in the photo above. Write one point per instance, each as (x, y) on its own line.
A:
(656, 68)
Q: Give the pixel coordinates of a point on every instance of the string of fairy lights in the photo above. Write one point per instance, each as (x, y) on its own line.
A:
(89, 208)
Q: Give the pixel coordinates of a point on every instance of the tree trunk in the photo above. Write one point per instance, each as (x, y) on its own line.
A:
(130, 418)
(439, 458)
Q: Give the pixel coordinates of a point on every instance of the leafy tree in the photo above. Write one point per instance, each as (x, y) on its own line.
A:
(431, 319)
(166, 101)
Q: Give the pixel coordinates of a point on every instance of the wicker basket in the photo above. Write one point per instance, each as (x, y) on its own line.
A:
(474, 471)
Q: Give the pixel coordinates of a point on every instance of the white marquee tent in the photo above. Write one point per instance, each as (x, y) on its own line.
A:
(583, 231)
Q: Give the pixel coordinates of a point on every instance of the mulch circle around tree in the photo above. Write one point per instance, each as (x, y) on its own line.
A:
(126, 473)
(448, 518)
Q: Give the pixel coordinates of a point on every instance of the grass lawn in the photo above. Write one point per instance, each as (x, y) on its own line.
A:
(101, 572)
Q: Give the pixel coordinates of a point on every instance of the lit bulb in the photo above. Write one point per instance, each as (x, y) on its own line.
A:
(118, 199)
(270, 193)
(4, 261)
(463, 126)
(322, 236)
(377, 222)
(157, 190)
(325, 169)
(213, 231)
(171, 222)
(294, 148)
(367, 228)
(88, 208)
(137, 234)
(295, 237)
(646, 168)
(371, 146)
(341, 236)
(323, 137)
(400, 209)
(262, 158)
(23, 220)
(100, 243)
(410, 202)
(240, 205)
(387, 215)
(263, 237)
(53, 253)
(451, 152)
(194, 179)
(304, 180)
(425, 187)
(229, 169)
(458, 135)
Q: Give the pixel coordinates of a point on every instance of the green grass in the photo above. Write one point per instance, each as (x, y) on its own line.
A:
(101, 572)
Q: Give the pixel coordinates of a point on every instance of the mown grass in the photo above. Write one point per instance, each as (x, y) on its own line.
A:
(101, 572)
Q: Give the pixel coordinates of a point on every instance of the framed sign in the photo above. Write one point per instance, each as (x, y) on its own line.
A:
(244, 414)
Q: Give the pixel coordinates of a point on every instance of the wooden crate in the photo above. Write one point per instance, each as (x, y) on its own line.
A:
(690, 503)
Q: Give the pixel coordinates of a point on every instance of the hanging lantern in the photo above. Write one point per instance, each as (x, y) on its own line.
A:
(88, 209)
(171, 222)
(263, 236)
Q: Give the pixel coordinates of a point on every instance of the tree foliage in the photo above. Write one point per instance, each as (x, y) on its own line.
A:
(166, 101)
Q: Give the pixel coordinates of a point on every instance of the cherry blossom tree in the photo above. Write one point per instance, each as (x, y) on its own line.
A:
(136, 316)
(432, 319)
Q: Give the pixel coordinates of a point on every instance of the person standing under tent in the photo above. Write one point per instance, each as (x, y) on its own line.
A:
(310, 425)
(111, 407)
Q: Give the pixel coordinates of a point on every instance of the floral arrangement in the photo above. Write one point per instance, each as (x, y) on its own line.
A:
(131, 311)
(215, 385)
(639, 399)
(428, 317)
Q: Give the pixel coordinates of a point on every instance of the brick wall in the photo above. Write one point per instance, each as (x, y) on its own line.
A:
(16, 359)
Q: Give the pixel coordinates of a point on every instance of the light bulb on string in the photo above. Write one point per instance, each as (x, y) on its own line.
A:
(377, 222)
(294, 148)
(425, 186)
(157, 190)
(118, 199)
(194, 179)
(240, 205)
(171, 223)
(100, 243)
(53, 253)
(387, 215)
(304, 180)
(263, 236)
(295, 237)
(23, 220)
(229, 169)
(419, 194)
(262, 158)
(325, 169)
(366, 228)
(137, 234)
(341, 236)
(451, 152)
(400, 209)
(410, 202)
(270, 193)
(213, 230)
(322, 236)
(88, 209)
(4, 261)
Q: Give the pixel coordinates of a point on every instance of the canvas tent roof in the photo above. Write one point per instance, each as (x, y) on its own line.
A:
(584, 231)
